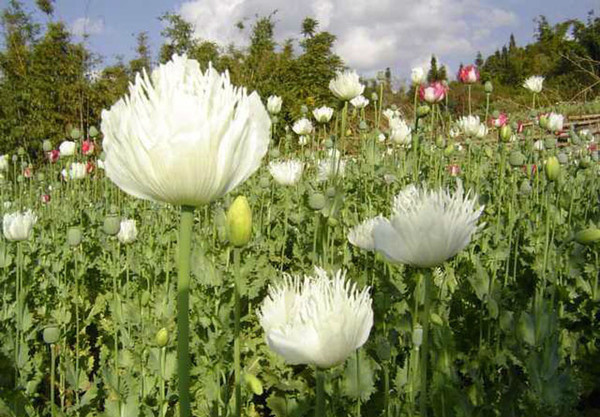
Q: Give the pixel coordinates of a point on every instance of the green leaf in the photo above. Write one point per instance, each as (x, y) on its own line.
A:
(359, 377)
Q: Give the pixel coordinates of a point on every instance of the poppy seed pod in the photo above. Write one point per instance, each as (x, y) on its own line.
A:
(111, 225)
(552, 168)
(47, 145)
(588, 236)
(239, 222)
(162, 337)
(74, 236)
(51, 334)
(488, 87)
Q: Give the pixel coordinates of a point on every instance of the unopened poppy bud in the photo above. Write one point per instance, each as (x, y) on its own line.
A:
(254, 384)
(47, 145)
(93, 132)
(552, 168)
(75, 133)
(423, 110)
(516, 159)
(417, 335)
(239, 221)
(505, 133)
(162, 337)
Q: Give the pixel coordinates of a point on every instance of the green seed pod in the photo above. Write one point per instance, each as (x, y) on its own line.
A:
(423, 110)
(525, 188)
(239, 222)
(145, 298)
(332, 222)
(93, 132)
(112, 224)
(162, 337)
(51, 334)
(328, 143)
(588, 236)
(74, 236)
(253, 384)
(363, 125)
(543, 121)
(264, 182)
(40, 176)
(550, 143)
(275, 153)
(75, 133)
(316, 201)
(516, 159)
(505, 133)
(21, 151)
(488, 87)
(374, 97)
(552, 168)
(563, 158)
(47, 145)
(330, 192)
(417, 335)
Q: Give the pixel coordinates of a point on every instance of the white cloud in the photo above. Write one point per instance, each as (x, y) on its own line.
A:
(372, 34)
(85, 25)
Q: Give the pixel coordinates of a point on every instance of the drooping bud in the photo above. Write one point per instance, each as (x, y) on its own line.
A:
(239, 222)
(588, 236)
(552, 168)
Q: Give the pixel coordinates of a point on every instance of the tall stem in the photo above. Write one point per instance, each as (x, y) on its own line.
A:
(183, 306)
(469, 88)
(320, 403)
(358, 382)
(52, 372)
(425, 344)
(236, 332)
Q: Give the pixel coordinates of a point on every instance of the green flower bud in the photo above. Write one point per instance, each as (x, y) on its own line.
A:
(145, 298)
(543, 121)
(74, 236)
(440, 142)
(516, 159)
(316, 201)
(505, 133)
(374, 97)
(332, 222)
(363, 125)
(525, 187)
(162, 337)
(21, 151)
(588, 236)
(51, 334)
(47, 145)
(328, 143)
(449, 150)
(239, 221)
(40, 176)
(75, 133)
(254, 384)
(112, 224)
(488, 87)
(552, 168)
(93, 132)
(330, 192)
(423, 110)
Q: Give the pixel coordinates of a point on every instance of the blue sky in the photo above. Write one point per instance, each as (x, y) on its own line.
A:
(372, 34)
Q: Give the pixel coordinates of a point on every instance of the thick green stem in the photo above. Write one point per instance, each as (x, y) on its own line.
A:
(469, 88)
(425, 345)
(236, 332)
(183, 305)
(386, 391)
(358, 382)
(320, 403)
(52, 373)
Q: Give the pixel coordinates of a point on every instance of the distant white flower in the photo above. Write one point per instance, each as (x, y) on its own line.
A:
(555, 122)
(100, 164)
(77, 171)
(418, 76)
(381, 137)
(323, 114)
(274, 104)
(361, 235)
(127, 232)
(303, 140)
(302, 127)
(471, 126)
(391, 114)
(330, 166)
(346, 85)
(360, 102)
(286, 172)
(18, 226)
(316, 320)
(454, 133)
(538, 145)
(400, 133)
(427, 227)
(3, 162)
(67, 148)
(534, 83)
(7, 204)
